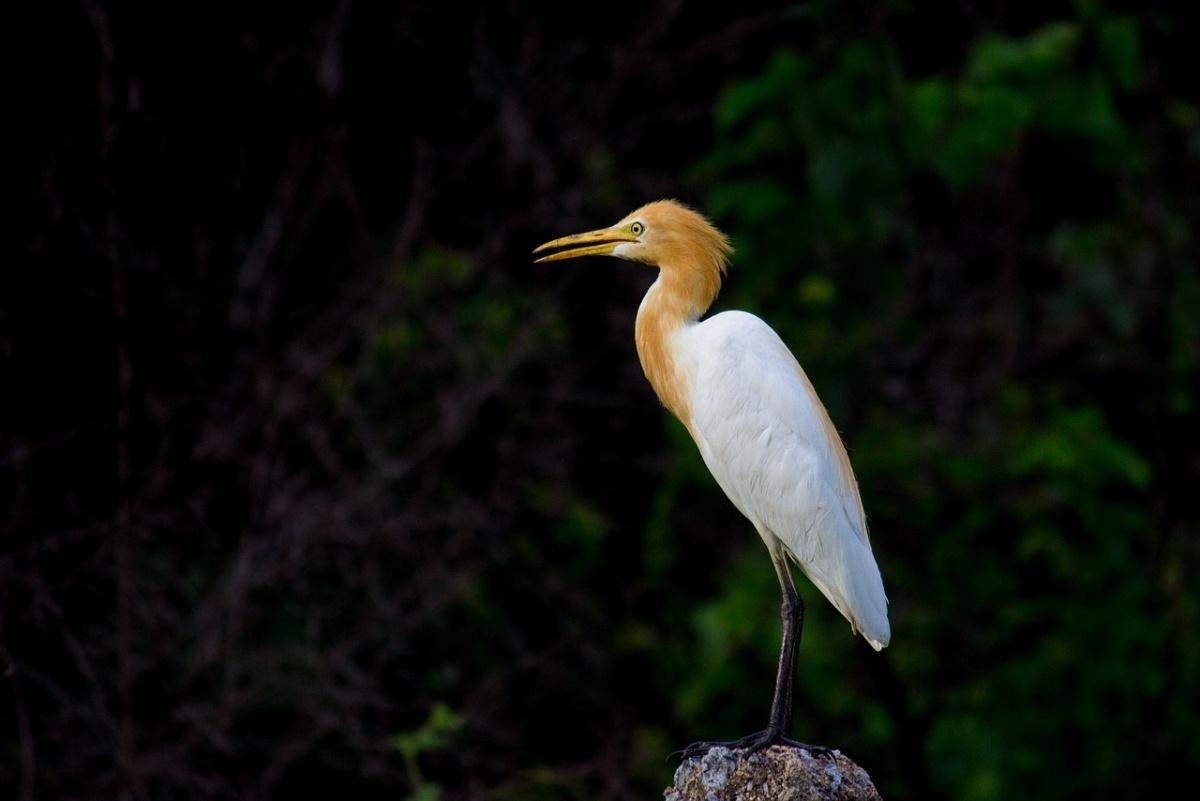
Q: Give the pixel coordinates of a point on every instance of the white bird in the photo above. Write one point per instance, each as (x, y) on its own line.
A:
(760, 427)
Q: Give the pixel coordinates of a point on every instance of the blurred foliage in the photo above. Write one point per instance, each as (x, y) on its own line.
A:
(1043, 639)
(435, 734)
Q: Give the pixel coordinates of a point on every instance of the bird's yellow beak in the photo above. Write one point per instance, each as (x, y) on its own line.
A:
(593, 243)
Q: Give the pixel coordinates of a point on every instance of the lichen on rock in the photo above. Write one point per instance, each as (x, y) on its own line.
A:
(778, 773)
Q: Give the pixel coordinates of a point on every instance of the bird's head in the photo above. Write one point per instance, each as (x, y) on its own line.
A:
(664, 234)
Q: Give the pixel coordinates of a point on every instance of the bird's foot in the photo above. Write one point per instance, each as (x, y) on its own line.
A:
(754, 742)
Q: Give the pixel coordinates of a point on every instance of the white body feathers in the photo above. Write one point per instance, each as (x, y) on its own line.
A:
(768, 441)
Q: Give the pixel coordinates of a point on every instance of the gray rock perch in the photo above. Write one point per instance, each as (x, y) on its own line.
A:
(775, 774)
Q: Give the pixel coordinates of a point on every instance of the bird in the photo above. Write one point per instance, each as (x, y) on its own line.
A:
(760, 428)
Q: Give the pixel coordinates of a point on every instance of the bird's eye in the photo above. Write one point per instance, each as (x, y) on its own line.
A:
(637, 228)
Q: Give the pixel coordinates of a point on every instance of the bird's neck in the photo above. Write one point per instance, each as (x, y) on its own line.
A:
(674, 302)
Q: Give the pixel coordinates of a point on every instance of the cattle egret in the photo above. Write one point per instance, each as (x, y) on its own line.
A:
(760, 427)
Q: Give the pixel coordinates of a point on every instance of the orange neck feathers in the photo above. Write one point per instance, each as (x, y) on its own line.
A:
(691, 256)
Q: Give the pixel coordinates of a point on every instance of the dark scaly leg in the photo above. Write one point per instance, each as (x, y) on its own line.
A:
(792, 612)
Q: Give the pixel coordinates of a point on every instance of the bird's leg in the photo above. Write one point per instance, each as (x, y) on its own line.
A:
(792, 612)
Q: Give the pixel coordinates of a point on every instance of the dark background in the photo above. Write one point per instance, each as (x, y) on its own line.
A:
(312, 484)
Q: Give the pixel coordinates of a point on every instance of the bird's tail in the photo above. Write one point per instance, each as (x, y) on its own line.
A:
(854, 586)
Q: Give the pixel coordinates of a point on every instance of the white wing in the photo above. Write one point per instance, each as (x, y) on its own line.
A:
(769, 442)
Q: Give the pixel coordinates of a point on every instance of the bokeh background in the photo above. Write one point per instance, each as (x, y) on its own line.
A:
(311, 484)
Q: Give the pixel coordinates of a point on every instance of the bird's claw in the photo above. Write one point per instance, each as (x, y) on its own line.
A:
(815, 750)
(754, 742)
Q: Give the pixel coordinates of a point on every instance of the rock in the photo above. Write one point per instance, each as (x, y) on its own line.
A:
(775, 774)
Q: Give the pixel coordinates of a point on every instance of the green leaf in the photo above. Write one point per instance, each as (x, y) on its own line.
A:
(785, 72)
(432, 735)
(989, 122)
(1121, 46)
(1042, 53)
